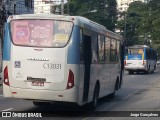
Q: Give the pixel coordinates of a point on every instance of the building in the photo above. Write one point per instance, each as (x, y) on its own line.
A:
(19, 7)
(43, 6)
(124, 4)
(29, 6)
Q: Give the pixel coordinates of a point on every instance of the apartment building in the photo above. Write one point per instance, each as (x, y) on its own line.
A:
(124, 4)
(44, 6)
(18, 6)
(29, 6)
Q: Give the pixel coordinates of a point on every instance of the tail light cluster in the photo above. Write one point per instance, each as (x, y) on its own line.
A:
(125, 62)
(6, 78)
(144, 62)
(70, 82)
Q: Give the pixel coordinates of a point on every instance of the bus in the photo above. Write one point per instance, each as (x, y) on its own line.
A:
(58, 58)
(140, 58)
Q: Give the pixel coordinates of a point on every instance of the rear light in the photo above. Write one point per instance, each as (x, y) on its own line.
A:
(144, 62)
(70, 82)
(6, 79)
(125, 62)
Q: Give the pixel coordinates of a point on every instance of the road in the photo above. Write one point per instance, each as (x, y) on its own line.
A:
(140, 92)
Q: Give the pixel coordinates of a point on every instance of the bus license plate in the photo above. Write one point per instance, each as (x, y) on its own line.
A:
(37, 83)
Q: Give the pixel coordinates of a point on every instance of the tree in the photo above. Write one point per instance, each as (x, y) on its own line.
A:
(154, 17)
(133, 23)
(106, 11)
(136, 12)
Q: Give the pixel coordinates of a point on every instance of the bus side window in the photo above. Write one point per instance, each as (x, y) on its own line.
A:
(113, 50)
(94, 40)
(118, 50)
(101, 49)
(107, 49)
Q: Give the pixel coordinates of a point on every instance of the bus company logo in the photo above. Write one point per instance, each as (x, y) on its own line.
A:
(17, 64)
(20, 114)
(6, 114)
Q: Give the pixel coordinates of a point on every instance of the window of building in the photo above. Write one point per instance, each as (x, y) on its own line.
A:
(29, 3)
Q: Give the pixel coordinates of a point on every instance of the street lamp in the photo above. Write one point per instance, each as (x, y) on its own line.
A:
(92, 11)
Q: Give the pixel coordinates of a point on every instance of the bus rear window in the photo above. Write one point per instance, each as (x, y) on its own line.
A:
(135, 51)
(41, 33)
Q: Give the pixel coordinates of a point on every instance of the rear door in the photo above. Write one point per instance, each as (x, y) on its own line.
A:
(87, 64)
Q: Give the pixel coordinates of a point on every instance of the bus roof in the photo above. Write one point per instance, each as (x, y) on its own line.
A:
(139, 46)
(84, 22)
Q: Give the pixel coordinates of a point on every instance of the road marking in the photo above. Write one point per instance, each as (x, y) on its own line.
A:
(116, 103)
(7, 109)
(132, 75)
(128, 96)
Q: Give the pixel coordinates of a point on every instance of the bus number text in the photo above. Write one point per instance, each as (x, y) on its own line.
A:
(51, 66)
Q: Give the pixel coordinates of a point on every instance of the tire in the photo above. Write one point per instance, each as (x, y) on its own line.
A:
(94, 102)
(40, 104)
(130, 72)
(112, 95)
(148, 70)
(153, 70)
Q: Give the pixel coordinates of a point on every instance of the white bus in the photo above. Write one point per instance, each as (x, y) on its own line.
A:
(140, 58)
(60, 58)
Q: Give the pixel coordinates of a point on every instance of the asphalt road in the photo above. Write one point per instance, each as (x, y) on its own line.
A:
(140, 92)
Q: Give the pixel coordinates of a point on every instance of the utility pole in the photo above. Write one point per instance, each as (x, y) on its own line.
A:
(62, 7)
(2, 19)
(14, 7)
(7, 8)
(125, 27)
(68, 7)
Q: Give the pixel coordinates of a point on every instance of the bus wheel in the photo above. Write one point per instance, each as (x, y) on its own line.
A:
(153, 70)
(130, 72)
(148, 70)
(40, 104)
(95, 97)
(112, 95)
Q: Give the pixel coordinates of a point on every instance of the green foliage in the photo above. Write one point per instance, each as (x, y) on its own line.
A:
(106, 11)
(143, 23)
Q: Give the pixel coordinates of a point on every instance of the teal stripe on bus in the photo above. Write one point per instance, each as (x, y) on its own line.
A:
(144, 53)
(74, 47)
(7, 43)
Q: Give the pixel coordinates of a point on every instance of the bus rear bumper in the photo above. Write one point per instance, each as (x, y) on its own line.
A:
(135, 68)
(69, 95)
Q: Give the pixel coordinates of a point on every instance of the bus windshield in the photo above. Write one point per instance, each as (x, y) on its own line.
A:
(135, 51)
(41, 33)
